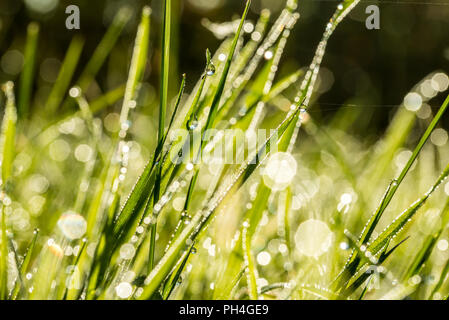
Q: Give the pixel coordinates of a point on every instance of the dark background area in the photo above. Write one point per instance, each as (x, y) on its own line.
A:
(372, 67)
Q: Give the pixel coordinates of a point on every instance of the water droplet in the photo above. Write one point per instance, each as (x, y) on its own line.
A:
(210, 70)
(127, 251)
(280, 170)
(313, 238)
(344, 245)
(268, 55)
(263, 258)
(194, 250)
(132, 104)
(413, 101)
(192, 124)
(75, 92)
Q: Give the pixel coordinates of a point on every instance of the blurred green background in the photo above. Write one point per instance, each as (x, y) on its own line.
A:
(369, 69)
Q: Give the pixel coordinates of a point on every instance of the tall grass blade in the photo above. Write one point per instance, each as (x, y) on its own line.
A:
(25, 264)
(103, 49)
(8, 134)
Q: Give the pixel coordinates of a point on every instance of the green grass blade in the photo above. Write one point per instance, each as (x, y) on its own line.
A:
(287, 17)
(392, 230)
(441, 280)
(138, 64)
(223, 288)
(7, 148)
(163, 96)
(165, 67)
(104, 48)
(372, 223)
(219, 92)
(3, 258)
(170, 285)
(107, 99)
(25, 263)
(213, 108)
(137, 197)
(250, 270)
(8, 133)
(175, 110)
(364, 276)
(415, 153)
(158, 154)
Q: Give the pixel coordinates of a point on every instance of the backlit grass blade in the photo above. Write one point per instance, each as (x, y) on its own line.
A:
(286, 17)
(372, 223)
(159, 164)
(169, 286)
(414, 155)
(365, 275)
(251, 271)
(138, 64)
(263, 83)
(118, 221)
(396, 226)
(190, 122)
(261, 86)
(26, 79)
(441, 280)
(422, 256)
(175, 110)
(305, 92)
(223, 288)
(165, 66)
(389, 233)
(163, 96)
(245, 54)
(107, 99)
(3, 257)
(76, 264)
(136, 198)
(219, 92)
(7, 149)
